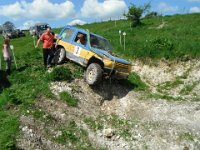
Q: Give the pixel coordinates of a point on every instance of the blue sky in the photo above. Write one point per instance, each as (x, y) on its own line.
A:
(58, 13)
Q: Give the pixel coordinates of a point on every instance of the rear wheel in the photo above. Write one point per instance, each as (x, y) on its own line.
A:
(93, 74)
(59, 56)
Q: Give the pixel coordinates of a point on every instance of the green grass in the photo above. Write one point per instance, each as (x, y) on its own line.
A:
(93, 124)
(187, 136)
(8, 129)
(75, 135)
(122, 126)
(170, 84)
(177, 40)
(188, 88)
(165, 96)
(135, 80)
(24, 86)
(70, 100)
(60, 74)
(27, 83)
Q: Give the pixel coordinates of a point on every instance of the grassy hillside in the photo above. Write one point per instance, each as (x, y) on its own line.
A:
(178, 38)
(23, 85)
(171, 37)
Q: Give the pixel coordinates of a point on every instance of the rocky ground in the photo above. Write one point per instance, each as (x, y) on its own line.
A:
(114, 116)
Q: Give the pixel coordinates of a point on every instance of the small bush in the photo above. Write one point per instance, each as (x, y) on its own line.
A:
(93, 124)
(152, 14)
(72, 134)
(137, 82)
(159, 48)
(78, 72)
(70, 100)
(69, 134)
(60, 74)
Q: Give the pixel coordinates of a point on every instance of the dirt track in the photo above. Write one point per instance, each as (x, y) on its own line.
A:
(150, 122)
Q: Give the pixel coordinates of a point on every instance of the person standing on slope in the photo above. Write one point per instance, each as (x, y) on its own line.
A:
(47, 39)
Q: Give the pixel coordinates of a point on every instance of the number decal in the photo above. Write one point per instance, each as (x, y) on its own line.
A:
(77, 51)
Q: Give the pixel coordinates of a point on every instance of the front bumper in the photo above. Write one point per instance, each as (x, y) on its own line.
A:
(117, 73)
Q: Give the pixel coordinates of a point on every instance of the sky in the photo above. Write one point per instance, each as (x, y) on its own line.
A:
(58, 13)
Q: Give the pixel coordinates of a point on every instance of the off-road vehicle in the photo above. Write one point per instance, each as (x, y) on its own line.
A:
(10, 33)
(38, 29)
(95, 54)
(20, 33)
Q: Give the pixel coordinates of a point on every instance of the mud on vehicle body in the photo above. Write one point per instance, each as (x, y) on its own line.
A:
(95, 54)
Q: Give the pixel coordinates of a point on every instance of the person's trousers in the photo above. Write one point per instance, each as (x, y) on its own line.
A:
(48, 56)
(8, 63)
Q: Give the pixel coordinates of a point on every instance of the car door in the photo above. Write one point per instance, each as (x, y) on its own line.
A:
(66, 38)
(80, 49)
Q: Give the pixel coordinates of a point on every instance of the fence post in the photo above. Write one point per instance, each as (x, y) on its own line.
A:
(120, 37)
(124, 34)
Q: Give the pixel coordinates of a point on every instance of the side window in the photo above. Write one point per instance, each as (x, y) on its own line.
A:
(67, 34)
(81, 38)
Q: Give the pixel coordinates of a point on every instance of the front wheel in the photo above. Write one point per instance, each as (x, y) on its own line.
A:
(59, 56)
(93, 74)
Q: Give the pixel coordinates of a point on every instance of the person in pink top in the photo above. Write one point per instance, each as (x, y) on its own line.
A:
(7, 54)
(47, 39)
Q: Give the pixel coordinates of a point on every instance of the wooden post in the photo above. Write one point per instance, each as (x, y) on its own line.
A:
(124, 34)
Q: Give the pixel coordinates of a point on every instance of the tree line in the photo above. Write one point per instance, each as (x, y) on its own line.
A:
(8, 25)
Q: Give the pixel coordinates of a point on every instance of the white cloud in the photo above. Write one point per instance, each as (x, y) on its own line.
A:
(13, 10)
(38, 9)
(165, 8)
(77, 21)
(103, 10)
(195, 10)
(28, 24)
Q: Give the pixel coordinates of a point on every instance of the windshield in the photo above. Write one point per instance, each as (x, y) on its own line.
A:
(100, 43)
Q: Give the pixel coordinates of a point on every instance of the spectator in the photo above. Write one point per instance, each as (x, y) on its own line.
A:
(47, 39)
(7, 54)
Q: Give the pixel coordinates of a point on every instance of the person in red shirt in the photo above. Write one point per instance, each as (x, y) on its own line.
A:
(47, 39)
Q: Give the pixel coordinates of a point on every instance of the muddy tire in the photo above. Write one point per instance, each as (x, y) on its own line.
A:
(93, 74)
(59, 56)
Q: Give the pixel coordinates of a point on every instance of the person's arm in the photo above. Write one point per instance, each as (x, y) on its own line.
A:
(40, 39)
(38, 42)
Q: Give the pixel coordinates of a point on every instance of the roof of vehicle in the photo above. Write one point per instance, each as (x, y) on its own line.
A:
(81, 30)
(37, 24)
(8, 30)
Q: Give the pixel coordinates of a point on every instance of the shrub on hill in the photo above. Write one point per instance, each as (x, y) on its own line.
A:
(135, 13)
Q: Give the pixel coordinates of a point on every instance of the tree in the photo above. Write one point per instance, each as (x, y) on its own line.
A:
(8, 26)
(135, 13)
(1, 29)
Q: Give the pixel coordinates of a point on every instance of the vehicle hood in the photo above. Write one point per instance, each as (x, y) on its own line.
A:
(117, 59)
